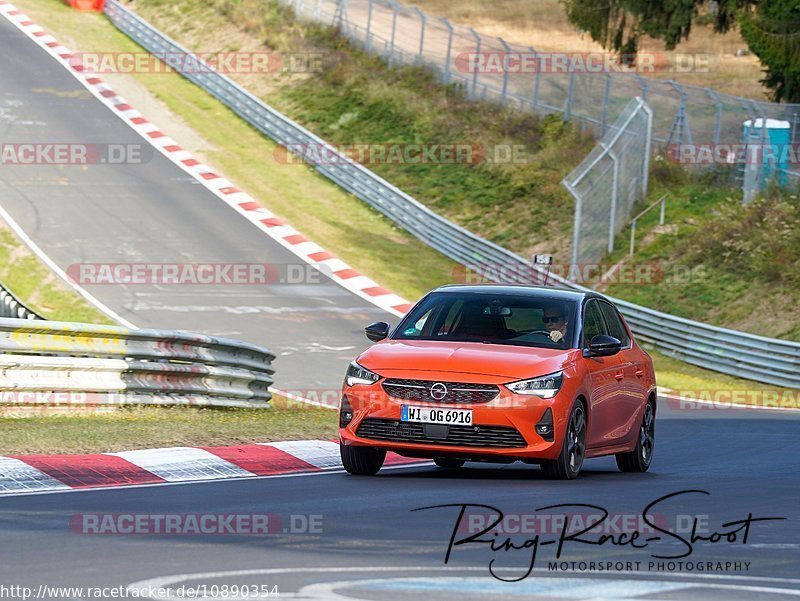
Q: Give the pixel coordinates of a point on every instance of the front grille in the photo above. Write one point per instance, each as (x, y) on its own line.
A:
(465, 436)
(457, 392)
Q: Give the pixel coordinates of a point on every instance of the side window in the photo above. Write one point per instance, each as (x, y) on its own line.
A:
(593, 324)
(615, 326)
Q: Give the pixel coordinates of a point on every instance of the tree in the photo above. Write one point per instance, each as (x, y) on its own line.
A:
(771, 29)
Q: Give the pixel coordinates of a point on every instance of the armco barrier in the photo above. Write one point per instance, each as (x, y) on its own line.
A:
(10, 306)
(736, 353)
(64, 363)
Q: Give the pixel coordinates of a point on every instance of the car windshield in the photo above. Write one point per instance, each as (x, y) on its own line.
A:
(519, 320)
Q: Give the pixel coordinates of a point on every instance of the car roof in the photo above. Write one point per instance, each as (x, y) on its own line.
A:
(521, 290)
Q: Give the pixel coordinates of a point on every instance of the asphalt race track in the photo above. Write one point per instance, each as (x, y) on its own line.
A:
(156, 213)
(339, 536)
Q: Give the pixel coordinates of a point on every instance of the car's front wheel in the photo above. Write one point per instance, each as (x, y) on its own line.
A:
(361, 461)
(640, 458)
(570, 460)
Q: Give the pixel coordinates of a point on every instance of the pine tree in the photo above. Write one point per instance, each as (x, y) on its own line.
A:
(771, 29)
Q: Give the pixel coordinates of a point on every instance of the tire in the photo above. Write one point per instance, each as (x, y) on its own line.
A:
(361, 461)
(569, 462)
(447, 463)
(641, 457)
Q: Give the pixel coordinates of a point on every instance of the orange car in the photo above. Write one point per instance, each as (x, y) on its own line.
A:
(498, 374)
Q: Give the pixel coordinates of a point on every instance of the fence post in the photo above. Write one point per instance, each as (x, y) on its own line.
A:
(718, 124)
(369, 25)
(648, 148)
(507, 50)
(423, 20)
(576, 227)
(446, 23)
(642, 84)
(394, 30)
(614, 194)
(570, 92)
(537, 81)
(604, 115)
(475, 63)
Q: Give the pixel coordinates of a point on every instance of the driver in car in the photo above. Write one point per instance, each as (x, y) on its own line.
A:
(555, 321)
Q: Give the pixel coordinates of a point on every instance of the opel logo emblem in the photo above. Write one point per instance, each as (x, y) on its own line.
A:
(438, 391)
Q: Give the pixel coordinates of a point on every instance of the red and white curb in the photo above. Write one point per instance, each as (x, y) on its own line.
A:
(277, 229)
(41, 473)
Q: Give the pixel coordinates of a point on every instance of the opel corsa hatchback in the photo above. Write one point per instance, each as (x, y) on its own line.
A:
(500, 374)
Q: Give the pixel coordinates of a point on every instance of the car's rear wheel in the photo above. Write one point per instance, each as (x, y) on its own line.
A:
(640, 458)
(361, 461)
(448, 463)
(569, 462)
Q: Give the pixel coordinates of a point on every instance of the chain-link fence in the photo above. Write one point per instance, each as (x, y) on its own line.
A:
(609, 181)
(575, 86)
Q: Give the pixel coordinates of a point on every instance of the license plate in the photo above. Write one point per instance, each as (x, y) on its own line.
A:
(435, 415)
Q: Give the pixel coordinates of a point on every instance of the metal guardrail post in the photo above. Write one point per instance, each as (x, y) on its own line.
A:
(476, 62)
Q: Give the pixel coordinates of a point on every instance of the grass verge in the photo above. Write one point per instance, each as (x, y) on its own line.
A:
(146, 427)
(37, 287)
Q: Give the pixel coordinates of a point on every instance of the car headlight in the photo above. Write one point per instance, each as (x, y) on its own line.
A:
(545, 387)
(359, 375)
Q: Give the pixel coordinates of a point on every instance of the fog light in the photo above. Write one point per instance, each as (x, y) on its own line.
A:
(544, 427)
(345, 412)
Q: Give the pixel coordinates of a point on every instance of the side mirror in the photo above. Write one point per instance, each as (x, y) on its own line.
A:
(377, 331)
(603, 346)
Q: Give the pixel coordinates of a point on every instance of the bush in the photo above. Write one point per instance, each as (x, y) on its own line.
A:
(760, 240)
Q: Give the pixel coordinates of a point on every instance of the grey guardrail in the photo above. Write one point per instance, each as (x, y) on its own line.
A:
(47, 362)
(772, 361)
(11, 306)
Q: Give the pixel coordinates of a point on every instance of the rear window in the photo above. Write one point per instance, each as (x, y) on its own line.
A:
(515, 320)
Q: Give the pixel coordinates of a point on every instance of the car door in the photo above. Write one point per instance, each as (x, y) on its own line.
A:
(605, 380)
(633, 382)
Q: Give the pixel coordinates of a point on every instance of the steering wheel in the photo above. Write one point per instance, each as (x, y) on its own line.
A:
(542, 332)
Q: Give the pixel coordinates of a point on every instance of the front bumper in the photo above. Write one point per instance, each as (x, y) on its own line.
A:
(502, 429)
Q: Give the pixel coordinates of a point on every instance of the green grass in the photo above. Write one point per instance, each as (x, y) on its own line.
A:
(38, 288)
(147, 427)
(721, 263)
